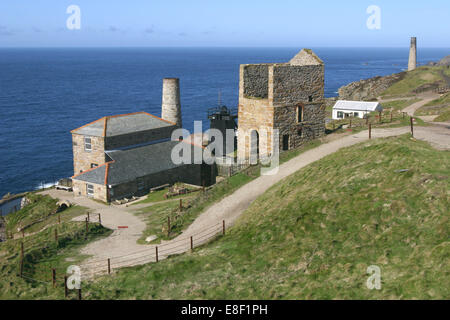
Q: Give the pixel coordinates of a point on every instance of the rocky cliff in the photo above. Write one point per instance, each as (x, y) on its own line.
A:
(368, 89)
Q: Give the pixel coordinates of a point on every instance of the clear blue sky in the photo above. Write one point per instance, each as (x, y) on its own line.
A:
(267, 23)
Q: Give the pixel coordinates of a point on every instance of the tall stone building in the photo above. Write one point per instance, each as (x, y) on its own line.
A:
(412, 62)
(284, 96)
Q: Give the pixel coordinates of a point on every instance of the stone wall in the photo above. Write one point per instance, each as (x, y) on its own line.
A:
(294, 84)
(83, 159)
(79, 189)
(312, 126)
(256, 81)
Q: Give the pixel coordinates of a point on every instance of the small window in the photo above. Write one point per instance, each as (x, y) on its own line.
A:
(285, 142)
(356, 114)
(94, 165)
(87, 144)
(299, 114)
(310, 98)
(340, 114)
(89, 189)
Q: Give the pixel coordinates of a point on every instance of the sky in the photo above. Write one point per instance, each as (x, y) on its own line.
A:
(218, 23)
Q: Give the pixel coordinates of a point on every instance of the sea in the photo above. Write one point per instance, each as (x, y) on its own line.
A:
(45, 93)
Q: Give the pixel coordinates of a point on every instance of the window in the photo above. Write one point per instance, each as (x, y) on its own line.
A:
(310, 98)
(299, 114)
(356, 114)
(89, 189)
(94, 165)
(340, 114)
(87, 144)
(285, 142)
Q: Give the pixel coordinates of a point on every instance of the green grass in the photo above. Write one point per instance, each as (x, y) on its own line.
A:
(443, 117)
(440, 106)
(413, 80)
(398, 105)
(40, 208)
(42, 252)
(313, 235)
(156, 215)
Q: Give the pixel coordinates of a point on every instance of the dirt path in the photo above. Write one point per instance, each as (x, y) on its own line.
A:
(121, 246)
(411, 109)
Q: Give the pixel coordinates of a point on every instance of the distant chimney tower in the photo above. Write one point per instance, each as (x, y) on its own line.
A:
(171, 107)
(412, 54)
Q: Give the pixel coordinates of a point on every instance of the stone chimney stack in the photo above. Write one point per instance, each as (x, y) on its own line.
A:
(171, 107)
(412, 54)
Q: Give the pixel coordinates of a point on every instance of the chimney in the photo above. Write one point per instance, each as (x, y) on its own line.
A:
(412, 54)
(171, 107)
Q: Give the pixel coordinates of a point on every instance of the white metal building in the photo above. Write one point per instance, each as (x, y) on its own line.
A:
(346, 109)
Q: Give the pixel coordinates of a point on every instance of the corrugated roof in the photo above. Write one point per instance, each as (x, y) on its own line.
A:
(357, 105)
(128, 165)
(122, 124)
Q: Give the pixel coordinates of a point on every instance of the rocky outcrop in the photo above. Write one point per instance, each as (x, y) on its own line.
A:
(368, 89)
(444, 62)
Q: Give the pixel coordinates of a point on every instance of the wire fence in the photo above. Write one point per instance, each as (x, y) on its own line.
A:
(49, 274)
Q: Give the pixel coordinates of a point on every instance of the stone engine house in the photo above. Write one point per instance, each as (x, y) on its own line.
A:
(120, 156)
(284, 96)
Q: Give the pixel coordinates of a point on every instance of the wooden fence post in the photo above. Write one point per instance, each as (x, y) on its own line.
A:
(181, 204)
(391, 116)
(99, 219)
(66, 290)
(380, 116)
(56, 235)
(412, 126)
(79, 294)
(87, 228)
(223, 227)
(21, 259)
(168, 226)
(23, 233)
(370, 130)
(109, 266)
(54, 278)
(59, 219)
(350, 125)
(88, 216)
(156, 253)
(192, 243)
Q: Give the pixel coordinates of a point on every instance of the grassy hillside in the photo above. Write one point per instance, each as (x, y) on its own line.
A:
(440, 107)
(42, 252)
(416, 79)
(313, 235)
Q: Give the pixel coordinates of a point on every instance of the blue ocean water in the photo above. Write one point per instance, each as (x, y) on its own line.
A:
(45, 93)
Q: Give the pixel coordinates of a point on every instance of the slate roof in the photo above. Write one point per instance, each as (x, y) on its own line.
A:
(122, 124)
(358, 105)
(128, 165)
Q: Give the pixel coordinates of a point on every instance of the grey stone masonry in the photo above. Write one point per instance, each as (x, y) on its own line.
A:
(288, 97)
(412, 63)
(171, 106)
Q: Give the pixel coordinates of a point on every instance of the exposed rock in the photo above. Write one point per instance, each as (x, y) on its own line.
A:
(444, 61)
(368, 89)
(63, 205)
(151, 238)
